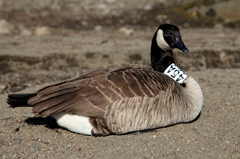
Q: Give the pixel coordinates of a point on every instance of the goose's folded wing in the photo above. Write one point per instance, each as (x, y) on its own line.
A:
(113, 68)
(91, 94)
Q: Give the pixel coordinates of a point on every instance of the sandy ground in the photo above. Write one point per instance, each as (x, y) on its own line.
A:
(214, 135)
(29, 62)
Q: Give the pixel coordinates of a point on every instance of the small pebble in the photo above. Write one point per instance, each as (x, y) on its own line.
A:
(26, 33)
(44, 30)
(2, 87)
(5, 27)
(98, 28)
(126, 31)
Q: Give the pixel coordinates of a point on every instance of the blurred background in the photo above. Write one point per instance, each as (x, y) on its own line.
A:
(51, 40)
(76, 14)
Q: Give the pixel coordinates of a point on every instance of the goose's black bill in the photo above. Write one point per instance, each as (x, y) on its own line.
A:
(180, 45)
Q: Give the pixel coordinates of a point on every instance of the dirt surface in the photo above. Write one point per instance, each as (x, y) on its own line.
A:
(29, 61)
(214, 135)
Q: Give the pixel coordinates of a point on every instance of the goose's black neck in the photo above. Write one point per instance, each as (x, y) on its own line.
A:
(160, 59)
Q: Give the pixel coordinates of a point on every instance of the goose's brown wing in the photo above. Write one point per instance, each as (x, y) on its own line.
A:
(91, 93)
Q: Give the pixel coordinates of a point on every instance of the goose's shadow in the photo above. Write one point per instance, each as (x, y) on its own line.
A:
(51, 123)
(48, 121)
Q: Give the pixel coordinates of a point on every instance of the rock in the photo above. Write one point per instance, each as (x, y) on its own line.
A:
(84, 23)
(102, 6)
(211, 12)
(110, 1)
(121, 21)
(227, 59)
(148, 7)
(126, 31)
(2, 87)
(186, 25)
(26, 32)
(218, 26)
(44, 30)
(98, 28)
(5, 27)
(121, 5)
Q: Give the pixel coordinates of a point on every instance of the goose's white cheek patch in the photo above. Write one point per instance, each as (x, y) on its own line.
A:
(161, 42)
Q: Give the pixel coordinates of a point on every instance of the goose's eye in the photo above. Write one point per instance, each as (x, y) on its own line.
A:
(167, 33)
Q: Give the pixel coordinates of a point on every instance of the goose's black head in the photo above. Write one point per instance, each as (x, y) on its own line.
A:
(166, 38)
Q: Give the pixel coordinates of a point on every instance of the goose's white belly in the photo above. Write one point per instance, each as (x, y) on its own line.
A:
(75, 123)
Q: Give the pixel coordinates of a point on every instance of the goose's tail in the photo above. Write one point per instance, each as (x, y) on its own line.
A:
(19, 100)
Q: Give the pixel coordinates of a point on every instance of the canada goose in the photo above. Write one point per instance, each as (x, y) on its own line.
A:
(122, 98)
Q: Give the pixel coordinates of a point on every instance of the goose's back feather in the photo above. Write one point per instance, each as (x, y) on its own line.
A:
(92, 94)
